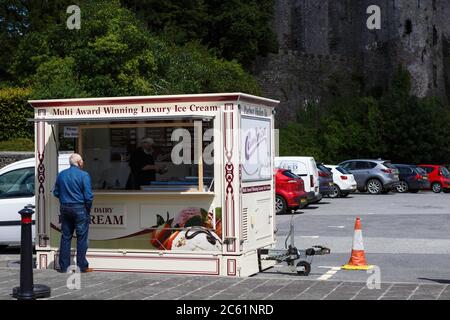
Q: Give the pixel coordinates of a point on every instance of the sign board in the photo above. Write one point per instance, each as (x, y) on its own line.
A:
(70, 132)
(109, 216)
(255, 149)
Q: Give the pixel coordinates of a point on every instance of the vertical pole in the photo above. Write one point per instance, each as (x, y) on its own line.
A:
(26, 257)
(28, 290)
(80, 141)
(199, 154)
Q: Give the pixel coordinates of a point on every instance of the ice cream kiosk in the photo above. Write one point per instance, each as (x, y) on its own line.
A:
(208, 210)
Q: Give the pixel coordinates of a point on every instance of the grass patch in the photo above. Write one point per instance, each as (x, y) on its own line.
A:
(20, 144)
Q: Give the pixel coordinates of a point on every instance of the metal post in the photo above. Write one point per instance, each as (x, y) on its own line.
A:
(28, 291)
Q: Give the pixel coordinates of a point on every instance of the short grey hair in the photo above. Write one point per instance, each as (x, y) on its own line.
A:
(147, 140)
(74, 159)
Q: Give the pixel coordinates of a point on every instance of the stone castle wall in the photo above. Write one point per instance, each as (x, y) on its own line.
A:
(320, 38)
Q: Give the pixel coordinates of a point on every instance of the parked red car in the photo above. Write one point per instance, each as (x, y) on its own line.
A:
(290, 191)
(439, 177)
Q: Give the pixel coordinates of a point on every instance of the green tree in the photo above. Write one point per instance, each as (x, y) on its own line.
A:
(113, 55)
(395, 126)
(234, 29)
(180, 21)
(21, 17)
(414, 130)
(298, 140)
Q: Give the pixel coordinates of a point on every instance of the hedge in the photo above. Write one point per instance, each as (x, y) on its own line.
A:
(14, 114)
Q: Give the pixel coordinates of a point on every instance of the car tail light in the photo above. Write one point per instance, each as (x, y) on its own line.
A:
(322, 174)
(344, 177)
(311, 180)
(387, 170)
(418, 177)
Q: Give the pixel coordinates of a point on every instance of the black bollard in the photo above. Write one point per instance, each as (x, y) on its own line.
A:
(27, 290)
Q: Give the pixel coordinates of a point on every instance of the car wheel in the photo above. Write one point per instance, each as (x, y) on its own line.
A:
(436, 187)
(374, 186)
(402, 187)
(335, 191)
(280, 205)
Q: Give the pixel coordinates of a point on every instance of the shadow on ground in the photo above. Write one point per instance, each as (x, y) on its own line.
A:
(441, 281)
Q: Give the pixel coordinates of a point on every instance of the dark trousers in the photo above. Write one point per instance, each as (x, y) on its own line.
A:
(74, 218)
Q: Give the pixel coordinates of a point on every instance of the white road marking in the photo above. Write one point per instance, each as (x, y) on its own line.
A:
(384, 293)
(329, 274)
(324, 297)
(312, 237)
(339, 227)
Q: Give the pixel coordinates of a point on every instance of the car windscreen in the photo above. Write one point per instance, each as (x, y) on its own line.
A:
(428, 169)
(421, 171)
(445, 172)
(324, 169)
(17, 183)
(389, 165)
(342, 170)
(289, 174)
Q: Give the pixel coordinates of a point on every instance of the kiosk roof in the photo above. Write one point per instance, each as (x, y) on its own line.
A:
(154, 99)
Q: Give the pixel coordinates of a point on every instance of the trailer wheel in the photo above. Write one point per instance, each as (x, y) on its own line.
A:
(303, 268)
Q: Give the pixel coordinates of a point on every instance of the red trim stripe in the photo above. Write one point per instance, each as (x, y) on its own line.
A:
(156, 99)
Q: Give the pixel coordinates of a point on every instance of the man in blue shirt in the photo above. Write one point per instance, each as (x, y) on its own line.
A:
(73, 189)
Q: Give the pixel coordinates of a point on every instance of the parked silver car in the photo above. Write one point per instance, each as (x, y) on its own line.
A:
(374, 176)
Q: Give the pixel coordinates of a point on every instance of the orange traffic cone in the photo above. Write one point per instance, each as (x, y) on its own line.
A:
(358, 259)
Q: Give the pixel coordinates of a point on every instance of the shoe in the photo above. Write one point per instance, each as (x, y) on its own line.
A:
(87, 270)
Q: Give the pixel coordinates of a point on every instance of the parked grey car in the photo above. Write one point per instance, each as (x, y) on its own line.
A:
(374, 176)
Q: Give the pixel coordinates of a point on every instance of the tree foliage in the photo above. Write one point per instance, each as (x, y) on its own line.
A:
(234, 29)
(395, 126)
(14, 113)
(20, 17)
(113, 55)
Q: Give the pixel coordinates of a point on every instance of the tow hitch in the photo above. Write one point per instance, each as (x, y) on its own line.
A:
(290, 254)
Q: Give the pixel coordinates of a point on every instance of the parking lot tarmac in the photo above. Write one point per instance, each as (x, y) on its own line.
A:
(406, 235)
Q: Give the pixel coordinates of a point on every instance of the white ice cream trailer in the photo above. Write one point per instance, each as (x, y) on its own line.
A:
(208, 213)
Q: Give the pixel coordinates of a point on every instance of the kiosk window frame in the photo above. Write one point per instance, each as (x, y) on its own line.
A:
(197, 125)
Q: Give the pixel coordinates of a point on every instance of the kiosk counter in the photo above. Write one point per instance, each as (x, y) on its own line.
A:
(208, 208)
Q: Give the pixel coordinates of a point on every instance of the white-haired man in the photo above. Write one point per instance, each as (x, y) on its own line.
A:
(73, 189)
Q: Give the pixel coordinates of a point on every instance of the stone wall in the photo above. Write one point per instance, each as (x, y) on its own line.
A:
(298, 79)
(320, 38)
(10, 157)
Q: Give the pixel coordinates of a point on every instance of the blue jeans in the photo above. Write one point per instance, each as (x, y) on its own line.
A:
(74, 217)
